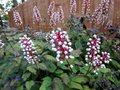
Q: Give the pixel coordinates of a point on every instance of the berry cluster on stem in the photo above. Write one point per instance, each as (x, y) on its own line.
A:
(93, 54)
(61, 44)
(28, 49)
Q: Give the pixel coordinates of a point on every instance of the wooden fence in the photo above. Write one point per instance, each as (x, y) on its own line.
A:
(26, 10)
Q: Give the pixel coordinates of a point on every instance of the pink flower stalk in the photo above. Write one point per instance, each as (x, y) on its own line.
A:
(1, 44)
(17, 18)
(86, 7)
(57, 16)
(109, 24)
(101, 13)
(61, 44)
(51, 8)
(36, 14)
(60, 14)
(28, 48)
(54, 18)
(93, 56)
(73, 6)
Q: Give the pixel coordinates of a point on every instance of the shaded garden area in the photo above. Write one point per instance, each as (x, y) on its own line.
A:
(70, 56)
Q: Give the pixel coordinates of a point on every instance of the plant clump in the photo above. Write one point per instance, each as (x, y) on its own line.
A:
(93, 54)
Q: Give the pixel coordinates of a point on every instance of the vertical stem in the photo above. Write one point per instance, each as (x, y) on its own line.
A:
(88, 70)
(69, 65)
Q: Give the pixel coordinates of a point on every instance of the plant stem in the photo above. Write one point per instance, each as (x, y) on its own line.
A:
(88, 70)
(69, 65)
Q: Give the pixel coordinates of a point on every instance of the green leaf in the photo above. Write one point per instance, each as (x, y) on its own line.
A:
(42, 66)
(51, 67)
(115, 64)
(31, 69)
(67, 88)
(78, 45)
(85, 68)
(65, 78)
(86, 88)
(76, 53)
(57, 84)
(42, 44)
(62, 66)
(29, 84)
(12, 82)
(58, 72)
(25, 76)
(20, 88)
(104, 70)
(46, 83)
(75, 85)
(110, 79)
(49, 57)
(80, 79)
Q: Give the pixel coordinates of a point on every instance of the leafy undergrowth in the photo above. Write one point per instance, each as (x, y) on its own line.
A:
(48, 74)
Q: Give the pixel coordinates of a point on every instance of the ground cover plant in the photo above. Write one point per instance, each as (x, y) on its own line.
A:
(16, 73)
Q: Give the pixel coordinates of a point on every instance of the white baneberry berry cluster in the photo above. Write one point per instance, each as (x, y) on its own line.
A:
(1, 44)
(101, 13)
(73, 6)
(86, 7)
(61, 44)
(55, 16)
(28, 48)
(93, 54)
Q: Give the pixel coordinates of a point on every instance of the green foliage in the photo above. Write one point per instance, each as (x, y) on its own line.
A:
(31, 69)
(75, 85)
(29, 84)
(48, 74)
(65, 78)
(47, 81)
(57, 84)
(5, 17)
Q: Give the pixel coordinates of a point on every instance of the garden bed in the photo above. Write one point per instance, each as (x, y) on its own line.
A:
(49, 74)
